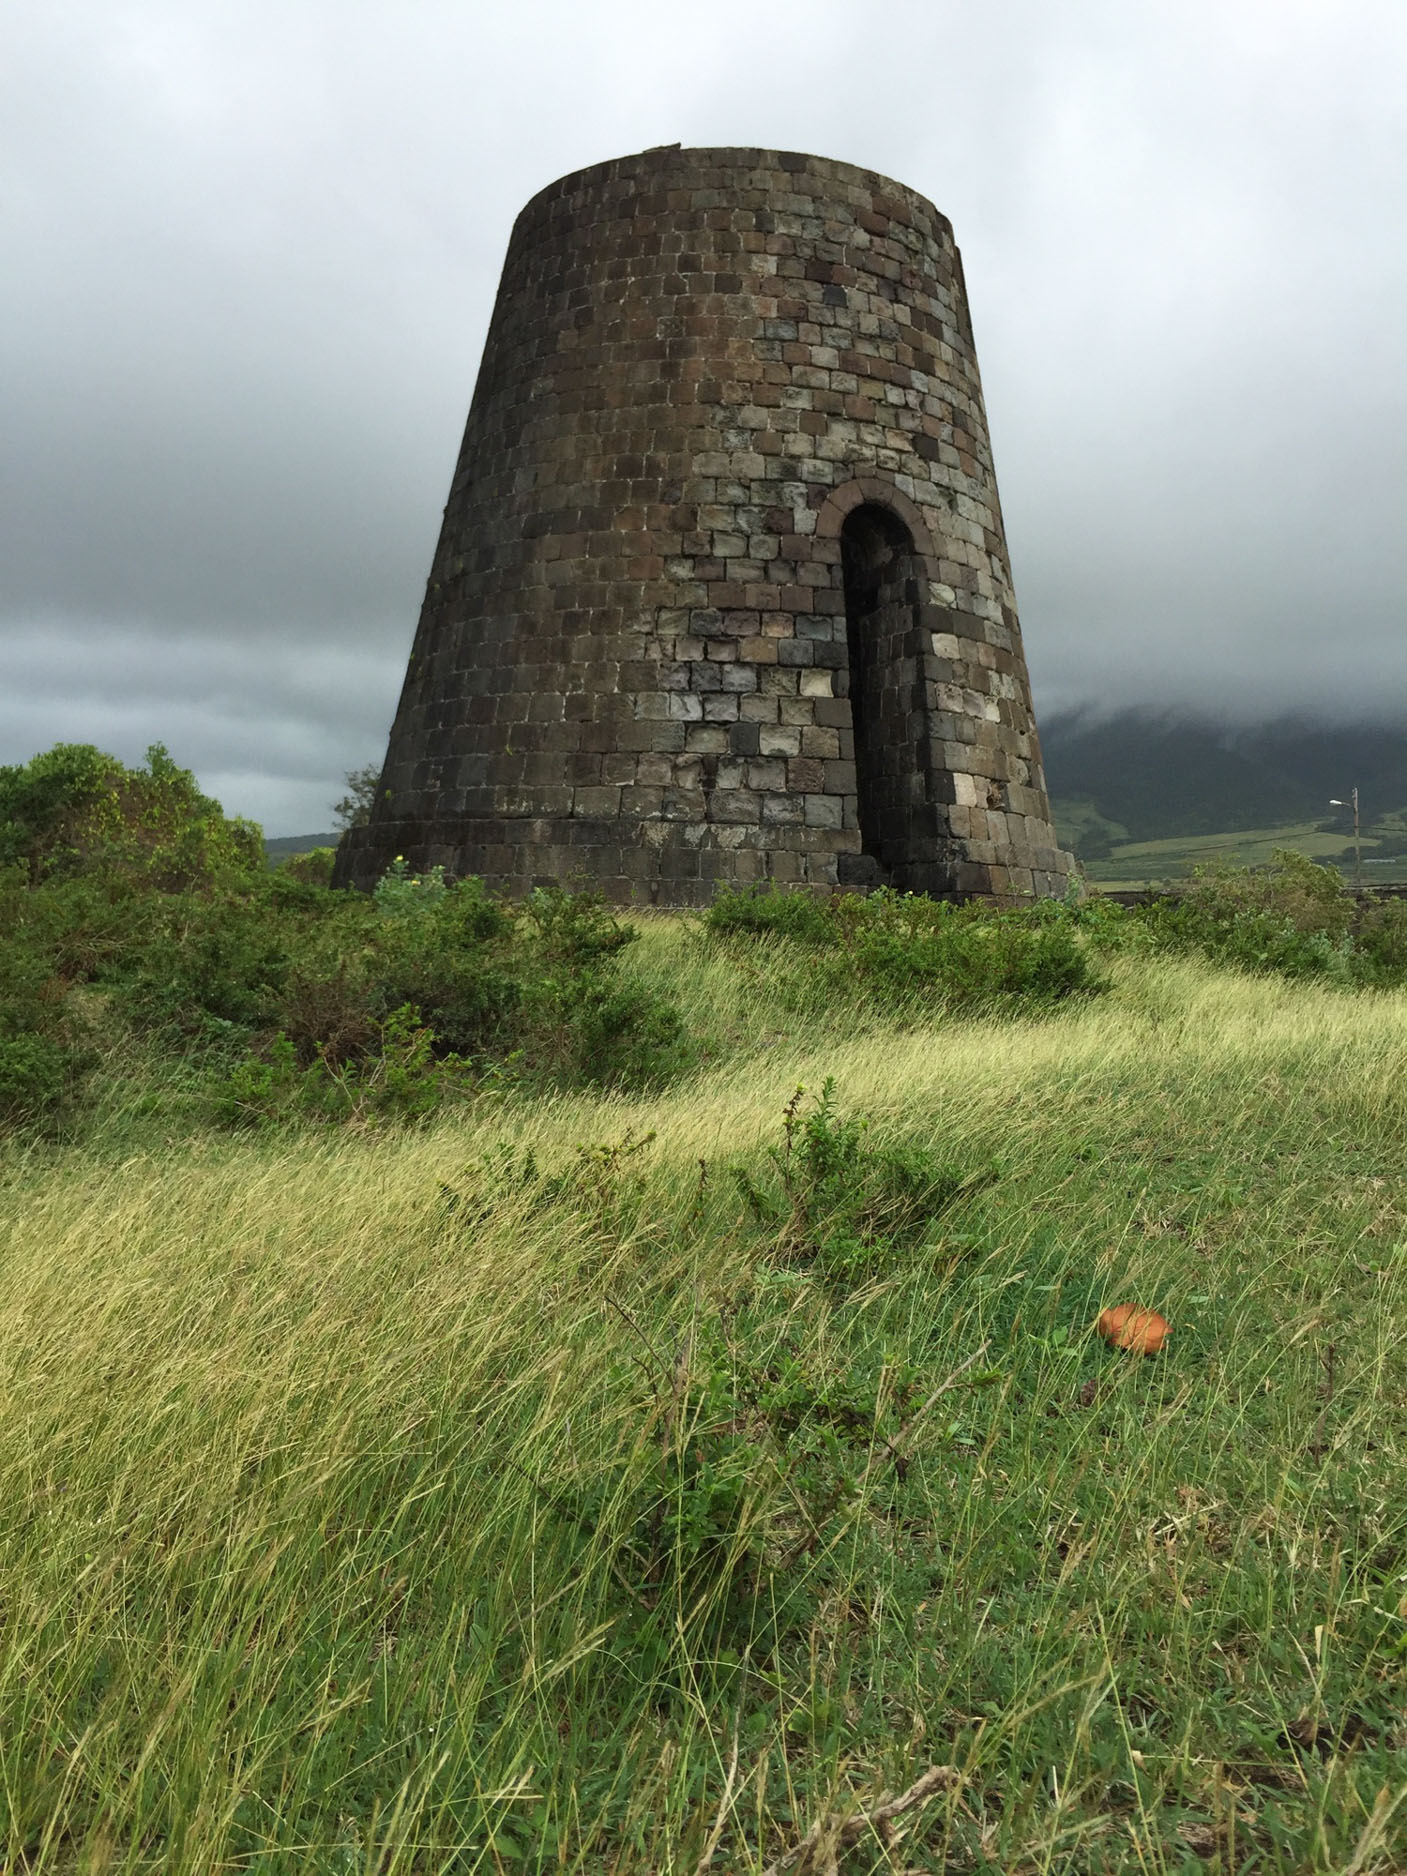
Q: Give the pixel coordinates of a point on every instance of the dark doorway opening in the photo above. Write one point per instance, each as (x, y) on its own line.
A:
(882, 574)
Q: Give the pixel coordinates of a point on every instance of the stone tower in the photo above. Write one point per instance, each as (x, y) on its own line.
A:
(722, 591)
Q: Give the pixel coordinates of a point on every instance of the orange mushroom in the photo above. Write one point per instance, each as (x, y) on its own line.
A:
(1141, 1331)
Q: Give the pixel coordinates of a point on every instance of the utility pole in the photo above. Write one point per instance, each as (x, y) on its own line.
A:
(1357, 847)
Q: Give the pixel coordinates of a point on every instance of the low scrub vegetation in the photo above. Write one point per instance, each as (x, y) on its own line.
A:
(902, 947)
(136, 913)
(141, 920)
(1293, 918)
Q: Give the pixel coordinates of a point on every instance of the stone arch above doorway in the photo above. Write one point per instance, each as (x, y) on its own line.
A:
(860, 490)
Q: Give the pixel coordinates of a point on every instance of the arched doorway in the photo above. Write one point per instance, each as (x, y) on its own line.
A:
(882, 588)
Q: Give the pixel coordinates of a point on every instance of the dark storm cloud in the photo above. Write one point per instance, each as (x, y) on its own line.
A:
(252, 250)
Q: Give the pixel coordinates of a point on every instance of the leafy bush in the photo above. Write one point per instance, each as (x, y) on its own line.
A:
(44, 1055)
(907, 947)
(287, 997)
(766, 911)
(310, 984)
(536, 980)
(623, 1035)
(1381, 939)
(313, 868)
(37, 1074)
(97, 860)
(765, 1446)
(1293, 918)
(402, 894)
(205, 969)
(399, 1079)
(75, 810)
(451, 951)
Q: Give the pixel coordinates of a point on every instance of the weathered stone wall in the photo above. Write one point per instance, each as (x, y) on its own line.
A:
(721, 390)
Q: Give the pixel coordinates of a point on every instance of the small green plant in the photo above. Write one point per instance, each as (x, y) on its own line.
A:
(265, 1086)
(843, 1203)
(399, 893)
(760, 1447)
(400, 1078)
(603, 1181)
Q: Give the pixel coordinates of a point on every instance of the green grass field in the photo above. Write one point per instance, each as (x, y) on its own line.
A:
(1133, 864)
(392, 1501)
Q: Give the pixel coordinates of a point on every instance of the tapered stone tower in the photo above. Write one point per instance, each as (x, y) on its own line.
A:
(722, 591)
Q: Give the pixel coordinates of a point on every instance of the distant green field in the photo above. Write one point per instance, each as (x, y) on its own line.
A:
(1147, 862)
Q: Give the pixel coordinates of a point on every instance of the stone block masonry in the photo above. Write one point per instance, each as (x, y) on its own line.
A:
(722, 589)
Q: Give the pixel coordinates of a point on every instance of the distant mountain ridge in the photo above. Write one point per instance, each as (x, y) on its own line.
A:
(1158, 776)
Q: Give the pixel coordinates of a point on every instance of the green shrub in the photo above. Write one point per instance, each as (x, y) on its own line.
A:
(1292, 919)
(291, 998)
(399, 1078)
(969, 954)
(1382, 944)
(763, 1452)
(760, 1427)
(75, 810)
(399, 893)
(771, 912)
(906, 947)
(37, 1074)
(82, 925)
(455, 954)
(625, 1036)
(206, 970)
(577, 1011)
(313, 984)
(44, 1053)
(313, 868)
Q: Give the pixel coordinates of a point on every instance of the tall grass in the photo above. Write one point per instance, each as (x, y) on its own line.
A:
(394, 1502)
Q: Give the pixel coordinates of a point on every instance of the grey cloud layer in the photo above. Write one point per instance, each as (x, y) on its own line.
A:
(257, 246)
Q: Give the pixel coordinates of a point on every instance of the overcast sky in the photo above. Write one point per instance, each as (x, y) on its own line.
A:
(250, 249)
